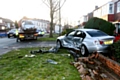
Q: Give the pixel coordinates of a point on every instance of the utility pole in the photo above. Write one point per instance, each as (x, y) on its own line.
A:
(59, 18)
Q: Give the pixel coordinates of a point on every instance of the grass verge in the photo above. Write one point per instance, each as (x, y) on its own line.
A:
(15, 66)
(47, 38)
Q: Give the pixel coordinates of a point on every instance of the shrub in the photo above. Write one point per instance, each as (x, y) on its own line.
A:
(103, 25)
(66, 31)
(116, 50)
(63, 32)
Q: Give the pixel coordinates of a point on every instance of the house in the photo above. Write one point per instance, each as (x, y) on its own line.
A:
(110, 11)
(82, 21)
(105, 12)
(6, 24)
(58, 29)
(117, 10)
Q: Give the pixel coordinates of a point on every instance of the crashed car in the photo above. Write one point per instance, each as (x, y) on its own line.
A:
(86, 40)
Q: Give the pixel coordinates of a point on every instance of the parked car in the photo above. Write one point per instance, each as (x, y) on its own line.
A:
(11, 33)
(86, 40)
(41, 32)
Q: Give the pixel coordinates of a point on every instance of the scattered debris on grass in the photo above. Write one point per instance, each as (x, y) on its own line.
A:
(89, 67)
(51, 61)
(30, 56)
(74, 55)
(43, 50)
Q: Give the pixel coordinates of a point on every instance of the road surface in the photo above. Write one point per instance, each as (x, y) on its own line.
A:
(7, 45)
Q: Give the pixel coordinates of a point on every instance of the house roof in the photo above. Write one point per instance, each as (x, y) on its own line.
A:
(6, 20)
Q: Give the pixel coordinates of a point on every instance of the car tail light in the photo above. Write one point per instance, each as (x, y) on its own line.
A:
(99, 42)
(36, 34)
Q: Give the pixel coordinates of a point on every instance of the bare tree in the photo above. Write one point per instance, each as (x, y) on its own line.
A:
(54, 6)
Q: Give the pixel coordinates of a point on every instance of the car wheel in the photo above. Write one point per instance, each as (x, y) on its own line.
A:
(21, 40)
(14, 36)
(84, 51)
(59, 44)
(8, 36)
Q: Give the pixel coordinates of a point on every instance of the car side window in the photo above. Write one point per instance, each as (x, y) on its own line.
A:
(78, 34)
(71, 33)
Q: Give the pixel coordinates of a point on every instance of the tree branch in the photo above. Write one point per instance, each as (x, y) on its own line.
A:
(44, 1)
(60, 6)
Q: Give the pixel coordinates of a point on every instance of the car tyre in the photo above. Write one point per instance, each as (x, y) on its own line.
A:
(59, 45)
(84, 51)
(14, 36)
(20, 40)
(8, 36)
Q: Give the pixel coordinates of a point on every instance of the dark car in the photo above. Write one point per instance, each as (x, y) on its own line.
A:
(11, 33)
(86, 40)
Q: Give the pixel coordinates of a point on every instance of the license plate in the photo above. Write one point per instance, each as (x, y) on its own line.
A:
(108, 42)
(21, 36)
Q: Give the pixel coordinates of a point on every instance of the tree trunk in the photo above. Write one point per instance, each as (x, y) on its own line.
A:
(51, 17)
(51, 25)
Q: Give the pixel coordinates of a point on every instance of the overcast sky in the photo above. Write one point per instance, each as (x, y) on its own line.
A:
(72, 9)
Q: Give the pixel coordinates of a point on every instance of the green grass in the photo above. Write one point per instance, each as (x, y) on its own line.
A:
(15, 66)
(47, 38)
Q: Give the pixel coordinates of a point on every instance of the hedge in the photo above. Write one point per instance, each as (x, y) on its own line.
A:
(103, 25)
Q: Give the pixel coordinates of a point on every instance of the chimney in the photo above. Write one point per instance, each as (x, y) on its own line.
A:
(96, 7)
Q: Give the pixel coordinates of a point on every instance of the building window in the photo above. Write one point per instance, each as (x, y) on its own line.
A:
(1, 21)
(118, 7)
(111, 8)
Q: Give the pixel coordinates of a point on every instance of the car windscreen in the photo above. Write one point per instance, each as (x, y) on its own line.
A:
(39, 30)
(96, 33)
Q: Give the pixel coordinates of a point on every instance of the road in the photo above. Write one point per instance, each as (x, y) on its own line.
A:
(5, 41)
(8, 44)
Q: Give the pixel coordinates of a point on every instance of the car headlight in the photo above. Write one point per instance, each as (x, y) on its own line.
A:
(39, 32)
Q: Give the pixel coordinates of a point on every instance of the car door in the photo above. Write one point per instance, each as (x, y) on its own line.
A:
(69, 39)
(78, 38)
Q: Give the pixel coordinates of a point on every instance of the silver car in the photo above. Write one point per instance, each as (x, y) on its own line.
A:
(86, 40)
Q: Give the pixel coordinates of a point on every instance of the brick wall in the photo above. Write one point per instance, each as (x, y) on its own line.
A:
(110, 64)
